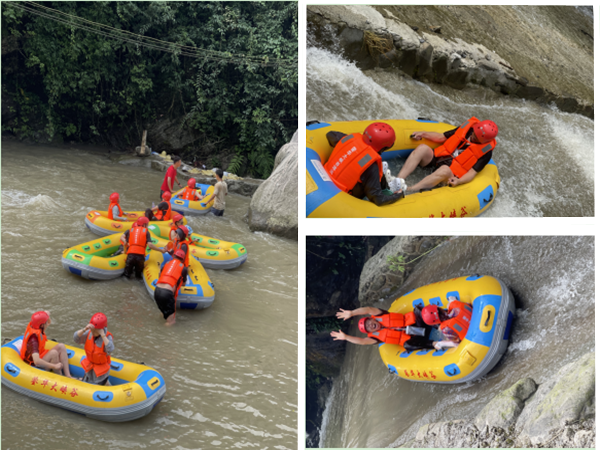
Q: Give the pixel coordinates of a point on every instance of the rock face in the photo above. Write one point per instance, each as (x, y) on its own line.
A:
(560, 413)
(274, 206)
(497, 47)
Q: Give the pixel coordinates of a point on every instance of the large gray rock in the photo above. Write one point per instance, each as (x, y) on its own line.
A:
(569, 396)
(274, 205)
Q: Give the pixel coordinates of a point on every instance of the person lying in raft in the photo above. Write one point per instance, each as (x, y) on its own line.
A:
(406, 330)
(190, 192)
(453, 323)
(114, 209)
(162, 211)
(135, 241)
(464, 152)
(98, 347)
(34, 351)
(172, 276)
(355, 164)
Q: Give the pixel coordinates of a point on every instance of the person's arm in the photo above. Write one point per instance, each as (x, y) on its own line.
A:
(151, 245)
(109, 346)
(341, 336)
(125, 239)
(432, 136)
(116, 215)
(455, 181)
(363, 311)
(372, 188)
(80, 335)
(211, 196)
(333, 137)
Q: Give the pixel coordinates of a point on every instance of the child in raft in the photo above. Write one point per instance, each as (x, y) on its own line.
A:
(98, 347)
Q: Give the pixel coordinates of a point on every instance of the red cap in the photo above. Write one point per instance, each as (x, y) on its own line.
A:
(38, 319)
(99, 321)
(430, 315)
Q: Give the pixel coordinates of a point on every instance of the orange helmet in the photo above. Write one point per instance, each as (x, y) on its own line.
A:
(485, 131)
(380, 136)
(38, 319)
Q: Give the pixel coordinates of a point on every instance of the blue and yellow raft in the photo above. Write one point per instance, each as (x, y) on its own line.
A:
(193, 207)
(324, 199)
(485, 342)
(133, 391)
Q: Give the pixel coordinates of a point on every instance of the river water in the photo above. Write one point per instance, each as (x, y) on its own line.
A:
(552, 279)
(545, 157)
(230, 370)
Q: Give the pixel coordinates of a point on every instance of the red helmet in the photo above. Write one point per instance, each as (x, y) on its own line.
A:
(99, 321)
(361, 325)
(38, 319)
(184, 229)
(485, 131)
(431, 315)
(380, 136)
(143, 221)
(166, 196)
(192, 183)
(114, 197)
(180, 254)
(177, 218)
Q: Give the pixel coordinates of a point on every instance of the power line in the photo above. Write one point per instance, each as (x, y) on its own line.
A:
(149, 42)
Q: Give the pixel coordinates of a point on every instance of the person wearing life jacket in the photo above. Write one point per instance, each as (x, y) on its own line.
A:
(183, 241)
(135, 242)
(453, 323)
(98, 347)
(190, 192)
(172, 277)
(114, 209)
(355, 165)
(177, 222)
(406, 330)
(162, 211)
(464, 152)
(35, 351)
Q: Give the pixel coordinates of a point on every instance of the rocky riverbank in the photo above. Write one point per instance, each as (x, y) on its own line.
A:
(522, 51)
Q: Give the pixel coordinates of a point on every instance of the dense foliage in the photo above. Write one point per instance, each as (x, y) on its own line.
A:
(81, 86)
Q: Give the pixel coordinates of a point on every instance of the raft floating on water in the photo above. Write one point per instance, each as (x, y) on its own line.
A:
(485, 342)
(99, 223)
(135, 388)
(325, 199)
(93, 260)
(193, 207)
(197, 293)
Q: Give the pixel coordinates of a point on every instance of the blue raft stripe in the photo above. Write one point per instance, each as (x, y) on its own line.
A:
(75, 271)
(11, 369)
(103, 396)
(418, 302)
(146, 376)
(325, 189)
(474, 277)
(422, 352)
(11, 344)
(427, 121)
(184, 305)
(508, 325)
(439, 352)
(404, 354)
(316, 126)
(380, 344)
(486, 196)
(475, 334)
(452, 370)
(453, 294)
(409, 292)
(392, 369)
(436, 301)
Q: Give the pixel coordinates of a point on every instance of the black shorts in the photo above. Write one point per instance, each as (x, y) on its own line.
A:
(438, 162)
(217, 212)
(134, 263)
(165, 300)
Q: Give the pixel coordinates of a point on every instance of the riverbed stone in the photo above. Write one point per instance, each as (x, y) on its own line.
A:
(274, 205)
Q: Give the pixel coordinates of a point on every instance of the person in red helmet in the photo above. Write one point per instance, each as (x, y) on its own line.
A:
(172, 277)
(161, 212)
(407, 330)
(34, 350)
(98, 347)
(114, 209)
(355, 165)
(135, 242)
(190, 192)
(464, 152)
(171, 177)
(453, 323)
(177, 222)
(182, 242)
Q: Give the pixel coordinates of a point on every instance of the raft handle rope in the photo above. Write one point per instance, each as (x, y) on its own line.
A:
(488, 318)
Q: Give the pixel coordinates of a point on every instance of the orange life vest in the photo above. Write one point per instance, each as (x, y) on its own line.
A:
(462, 163)
(137, 241)
(171, 275)
(460, 323)
(96, 357)
(167, 215)
(391, 333)
(179, 245)
(348, 161)
(189, 194)
(42, 339)
(110, 210)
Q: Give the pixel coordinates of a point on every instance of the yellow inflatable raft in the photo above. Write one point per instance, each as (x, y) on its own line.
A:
(193, 207)
(99, 223)
(133, 391)
(212, 253)
(485, 342)
(93, 260)
(324, 199)
(197, 293)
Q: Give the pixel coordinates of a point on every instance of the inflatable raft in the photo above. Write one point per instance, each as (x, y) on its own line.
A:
(99, 223)
(485, 342)
(197, 293)
(325, 199)
(211, 252)
(193, 207)
(135, 388)
(93, 260)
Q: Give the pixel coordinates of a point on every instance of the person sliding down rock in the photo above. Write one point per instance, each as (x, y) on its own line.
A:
(355, 164)
(464, 152)
(406, 330)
